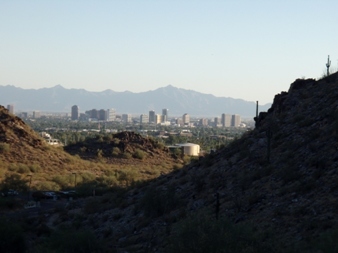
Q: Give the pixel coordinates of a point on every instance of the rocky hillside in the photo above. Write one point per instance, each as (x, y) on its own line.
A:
(23, 152)
(20, 144)
(281, 178)
(273, 190)
(123, 148)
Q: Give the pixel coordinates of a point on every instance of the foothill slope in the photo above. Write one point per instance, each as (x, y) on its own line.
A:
(272, 190)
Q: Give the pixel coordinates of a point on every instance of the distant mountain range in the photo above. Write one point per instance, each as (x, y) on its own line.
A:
(178, 101)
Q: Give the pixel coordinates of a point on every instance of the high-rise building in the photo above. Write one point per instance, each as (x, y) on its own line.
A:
(102, 115)
(165, 115)
(36, 114)
(144, 119)
(203, 122)
(235, 120)
(75, 112)
(111, 114)
(93, 114)
(186, 119)
(10, 108)
(152, 116)
(226, 120)
(126, 118)
(158, 118)
(179, 121)
(217, 122)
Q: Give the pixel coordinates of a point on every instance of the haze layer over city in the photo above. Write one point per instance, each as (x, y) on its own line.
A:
(240, 49)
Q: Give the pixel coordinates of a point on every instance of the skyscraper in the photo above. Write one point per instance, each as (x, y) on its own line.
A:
(217, 122)
(36, 114)
(226, 120)
(102, 115)
(158, 118)
(165, 115)
(10, 108)
(186, 119)
(152, 116)
(126, 118)
(111, 114)
(144, 119)
(235, 120)
(75, 112)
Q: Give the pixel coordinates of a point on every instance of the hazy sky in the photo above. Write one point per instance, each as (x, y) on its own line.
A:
(231, 48)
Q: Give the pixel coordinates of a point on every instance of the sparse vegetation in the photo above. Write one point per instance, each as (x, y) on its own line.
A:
(200, 233)
(12, 237)
(156, 203)
(143, 199)
(4, 147)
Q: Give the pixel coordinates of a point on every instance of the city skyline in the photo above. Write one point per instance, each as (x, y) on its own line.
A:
(240, 49)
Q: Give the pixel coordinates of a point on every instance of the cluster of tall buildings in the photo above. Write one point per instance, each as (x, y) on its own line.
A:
(226, 120)
(94, 114)
(154, 118)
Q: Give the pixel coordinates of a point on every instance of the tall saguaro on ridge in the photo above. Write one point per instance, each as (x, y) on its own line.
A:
(328, 64)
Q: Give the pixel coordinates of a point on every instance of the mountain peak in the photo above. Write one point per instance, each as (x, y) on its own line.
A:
(58, 86)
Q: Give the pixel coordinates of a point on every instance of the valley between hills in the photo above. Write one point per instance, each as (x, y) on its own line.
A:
(274, 189)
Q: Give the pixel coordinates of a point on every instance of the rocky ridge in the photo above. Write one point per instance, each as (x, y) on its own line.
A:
(281, 176)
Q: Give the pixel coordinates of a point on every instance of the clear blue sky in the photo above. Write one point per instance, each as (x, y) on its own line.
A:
(241, 49)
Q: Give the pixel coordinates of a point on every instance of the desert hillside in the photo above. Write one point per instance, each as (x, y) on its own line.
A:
(272, 190)
(105, 159)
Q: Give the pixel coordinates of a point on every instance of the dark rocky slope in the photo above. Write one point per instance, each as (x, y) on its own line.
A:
(281, 176)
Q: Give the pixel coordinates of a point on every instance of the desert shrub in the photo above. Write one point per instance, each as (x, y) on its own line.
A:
(47, 186)
(70, 240)
(139, 154)
(115, 151)
(176, 167)
(159, 145)
(64, 181)
(23, 169)
(15, 182)
(187, 159)
(126, 155)
(87, 177)
(108, 181)
(156, 203)
(99, 153)
(128, 176)
(83, 149)
(19, 168)
(85, 188)
(34, 168)
(200, 233)
(4, 147)
(46, 147)
(12, 237)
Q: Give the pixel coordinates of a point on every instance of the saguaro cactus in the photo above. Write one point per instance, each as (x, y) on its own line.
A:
(328, 64)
